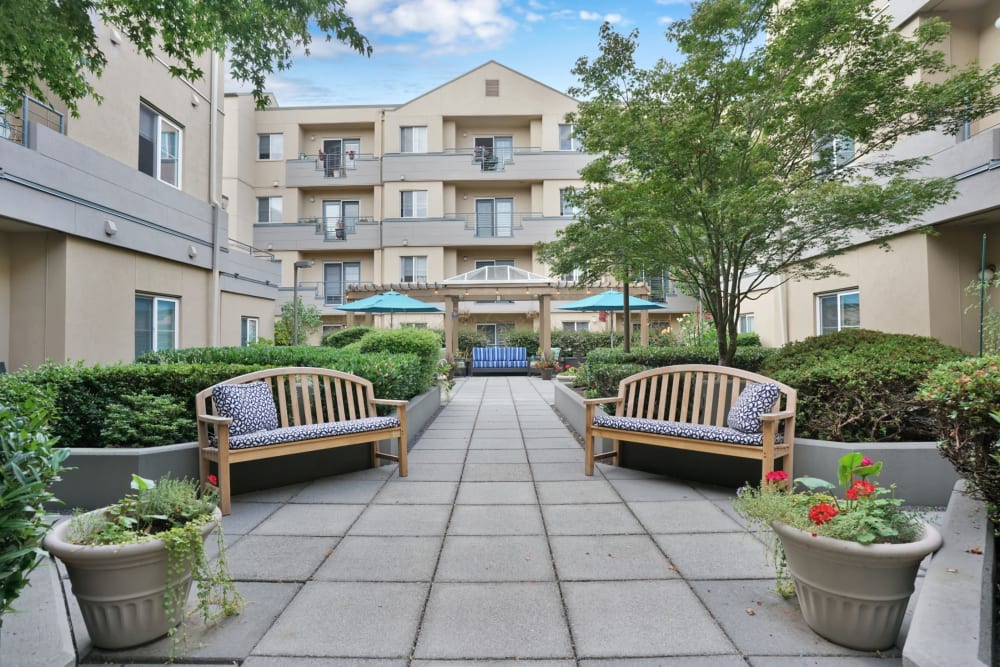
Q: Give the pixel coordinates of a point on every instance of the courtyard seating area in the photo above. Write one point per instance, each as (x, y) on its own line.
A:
(496, 546)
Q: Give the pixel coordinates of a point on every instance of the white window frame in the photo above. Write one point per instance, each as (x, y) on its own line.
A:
(273, 139)
(747, 323)
(417, 266)
(576, 325)
(571, 277)
(329, 329)
(417, 206)
(417, 139)
(565, 208)
(272, 210)
(159, 148)
(246, 336)
(156, 302)
(571, 143)
(839, 296)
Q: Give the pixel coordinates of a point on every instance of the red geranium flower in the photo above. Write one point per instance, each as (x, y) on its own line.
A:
(776, 476)
(821, 513)
(865, 461)
(860, 488)
(213, 480)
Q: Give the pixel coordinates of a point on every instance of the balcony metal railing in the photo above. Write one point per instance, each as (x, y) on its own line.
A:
(337, 229)
(334, 165)
(498, 225)
(250, 250)
(15, 127)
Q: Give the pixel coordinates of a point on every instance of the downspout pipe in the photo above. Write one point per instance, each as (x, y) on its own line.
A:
(213, 196)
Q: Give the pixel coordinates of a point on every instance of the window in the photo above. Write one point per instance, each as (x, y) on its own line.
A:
(495, 217)
(492, 87)
(330, 328)
(340, 218)
(155, 323)
(841, 310)
(576, 326)
(565, 207)
(832, 152)
(413, 325)
(413, 269)
(270, 146)
(268, 209)
(571, 277)
(248, 330)
(413, 203)
(660, 286)
(567, 140)
(492, 153)
(495, 333)
(159, 147)
(747, 323)
(413, 140)
(336, 276)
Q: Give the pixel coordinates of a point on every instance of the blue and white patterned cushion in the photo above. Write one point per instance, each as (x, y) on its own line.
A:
(755, 400)
(251, 406)
(499, 357)
(310, 431)
(680, 430)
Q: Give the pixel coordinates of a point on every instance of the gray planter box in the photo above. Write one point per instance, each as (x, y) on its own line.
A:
(101, 476)
(921, 475)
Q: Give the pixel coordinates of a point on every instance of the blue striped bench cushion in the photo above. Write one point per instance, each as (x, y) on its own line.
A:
(499, 357)
(310, 431)
(682, 430)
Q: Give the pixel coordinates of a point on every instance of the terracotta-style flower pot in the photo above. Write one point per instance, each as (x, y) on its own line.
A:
(120, 588)
(546, 373)
(854, 595)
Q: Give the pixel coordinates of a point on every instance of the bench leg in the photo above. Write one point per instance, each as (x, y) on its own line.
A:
(224, 503)
(588, 453)
(403, 465)
(374, 453)
(616, 447)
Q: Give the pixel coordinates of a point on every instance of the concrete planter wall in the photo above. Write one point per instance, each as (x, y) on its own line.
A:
(921, 475)
(102, 476)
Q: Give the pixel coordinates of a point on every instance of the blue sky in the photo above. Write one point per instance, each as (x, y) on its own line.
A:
(420, 44)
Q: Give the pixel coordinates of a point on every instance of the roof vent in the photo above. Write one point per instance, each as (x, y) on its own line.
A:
(492, 87)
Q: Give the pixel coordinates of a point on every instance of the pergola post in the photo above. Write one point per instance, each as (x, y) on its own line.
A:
(450, 325)
(643, 327)
(544, 325)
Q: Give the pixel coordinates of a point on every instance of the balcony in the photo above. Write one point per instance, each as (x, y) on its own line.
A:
(32, 112)
(461, 229)
(332, 170)
(315, 234)
(468, 165)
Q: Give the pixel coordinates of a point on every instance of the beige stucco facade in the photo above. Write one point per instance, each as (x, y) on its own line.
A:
(85, 234)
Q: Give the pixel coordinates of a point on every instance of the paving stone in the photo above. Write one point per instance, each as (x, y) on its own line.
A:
(335, 490)
(717, 556)
(606, 557)
(397, 492)
(496, 520)
(511, 441)
(378, 472)
(281, 494)
(673, 660)
(617, 472)
(683, 516)
(267, 661)
(489, 663)
(590, 520)
(310, 520)
(640, 619)
(498, 620)
(228, 641)
(277, 557)
(432, 472)
(663, 488)
(594, 490)
(247, 516)
(416, 520)
(359, 620)
(436, 456)
(776, 626)
(564, 455)
(506, 558)
(566, 471)
(880, 660)
(506, 431)
(496, 456)
(497, 472)
(496, 493)
(533, 441)
(358, 558)
(442, 443)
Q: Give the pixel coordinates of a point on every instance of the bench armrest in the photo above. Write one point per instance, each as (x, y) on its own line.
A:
(598, 401)
(777, 416)
(212, 419)
(389, 401)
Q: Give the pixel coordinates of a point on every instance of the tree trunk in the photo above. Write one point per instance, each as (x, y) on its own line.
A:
(626, 319)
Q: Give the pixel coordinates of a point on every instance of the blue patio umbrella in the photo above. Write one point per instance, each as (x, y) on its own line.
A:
(613, 301)
(390, 302)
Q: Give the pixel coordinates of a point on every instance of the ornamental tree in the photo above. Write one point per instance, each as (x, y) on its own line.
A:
(764, 150)
(49, 48)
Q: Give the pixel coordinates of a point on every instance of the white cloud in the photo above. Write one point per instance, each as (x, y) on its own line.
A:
(532, 17)
(673, 2)
(450, 26)
(595, 16)
(664, 20)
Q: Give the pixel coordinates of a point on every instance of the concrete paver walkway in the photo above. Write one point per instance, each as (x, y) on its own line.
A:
(496, 548)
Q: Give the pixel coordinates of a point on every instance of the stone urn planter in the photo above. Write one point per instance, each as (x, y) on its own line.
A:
(852, 594)
(120, 588)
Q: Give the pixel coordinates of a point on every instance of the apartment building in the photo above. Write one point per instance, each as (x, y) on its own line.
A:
(113, 235)
(471, 174)
(920, 286)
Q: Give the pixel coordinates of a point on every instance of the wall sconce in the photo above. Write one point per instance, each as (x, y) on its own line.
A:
(996, 24)
(225, 202)
(115, 37)
(195, 102)
(311, 199)
(406, 242)
(465, 196)
(110, 228)
(465, 134)
(192, 252)
(402, 178)
(465, 258)
(986, 275)
(274, 184)
(312, 138)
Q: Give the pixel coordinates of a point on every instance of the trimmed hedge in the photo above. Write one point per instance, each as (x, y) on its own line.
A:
(859, 385)
(747, 358)
(426, 345)
(344, 337)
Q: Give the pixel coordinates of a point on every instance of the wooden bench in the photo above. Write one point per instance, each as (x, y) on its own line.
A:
(284, 411)
(687, 407)
(500, 360)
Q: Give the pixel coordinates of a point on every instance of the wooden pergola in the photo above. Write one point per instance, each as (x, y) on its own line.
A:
(530, 287)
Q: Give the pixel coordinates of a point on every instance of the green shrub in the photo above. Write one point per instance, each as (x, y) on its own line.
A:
(747, 340)
(525, 338)
(344, 337)
(962, 398)
(602, 379)
(29, 463)
(580, 343)
(426, 345)
(747, 358)
(147, 420)
(469, 338)
(859, 385)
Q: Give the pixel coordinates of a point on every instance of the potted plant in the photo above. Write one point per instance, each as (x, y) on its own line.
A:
(546, 365)
(131, 564)
(853, 560)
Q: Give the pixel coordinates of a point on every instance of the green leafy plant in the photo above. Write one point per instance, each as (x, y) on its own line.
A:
(310, 321)
(147, 420)
(866, 514)
(343, 337)
(173, 511)
(29, 463)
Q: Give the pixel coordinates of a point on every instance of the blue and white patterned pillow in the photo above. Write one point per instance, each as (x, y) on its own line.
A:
(755, 400)
(251, 406)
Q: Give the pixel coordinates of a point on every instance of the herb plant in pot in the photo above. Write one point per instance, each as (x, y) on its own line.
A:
(853, 560)
(132, 564)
